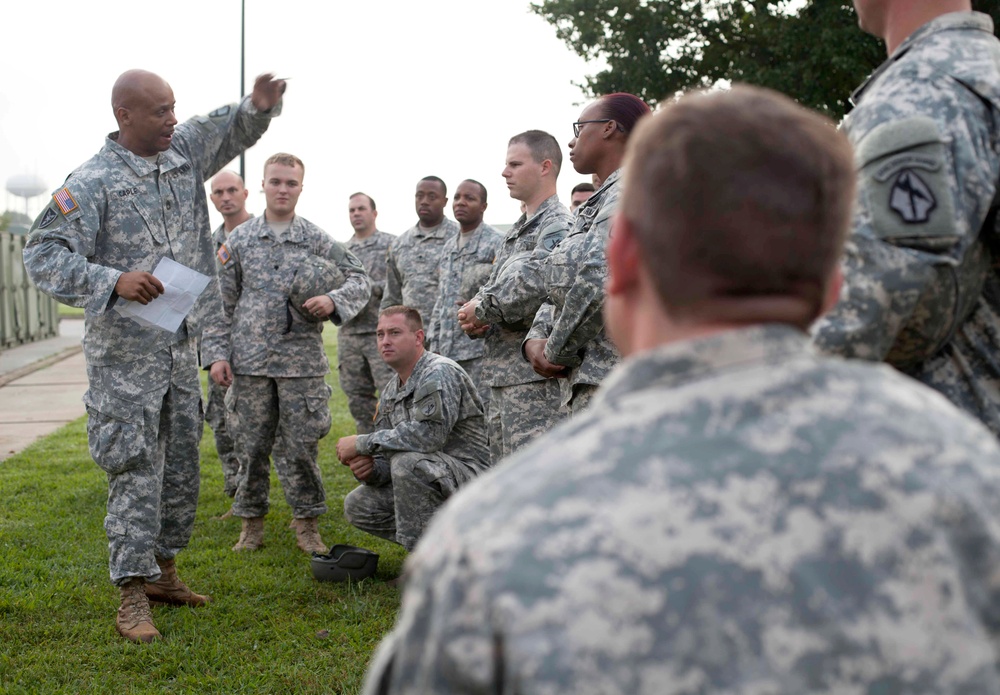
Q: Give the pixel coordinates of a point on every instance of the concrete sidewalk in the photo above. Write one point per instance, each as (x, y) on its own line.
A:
(41, 387)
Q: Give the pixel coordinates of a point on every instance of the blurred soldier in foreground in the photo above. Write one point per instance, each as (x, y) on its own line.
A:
(466, 264)
(360, 368)
(922, 290)
(229, 196)
(413, 264)
(734, 512)
(429, 437)
(522, 404)
(281, 278)
(140, 199)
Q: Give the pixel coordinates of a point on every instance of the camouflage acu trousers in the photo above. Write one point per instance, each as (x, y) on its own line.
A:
(517, 414)
(259, 408)
(400, 510)
(144, 424)
(362, 372)
(215, 416)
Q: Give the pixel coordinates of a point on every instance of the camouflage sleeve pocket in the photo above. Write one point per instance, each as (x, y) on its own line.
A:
(114, 431)
(427, 405)
(905, 184)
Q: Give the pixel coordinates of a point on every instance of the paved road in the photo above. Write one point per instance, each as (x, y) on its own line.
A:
(41, 386)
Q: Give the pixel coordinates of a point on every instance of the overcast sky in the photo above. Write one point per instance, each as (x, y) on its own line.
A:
(383, 92)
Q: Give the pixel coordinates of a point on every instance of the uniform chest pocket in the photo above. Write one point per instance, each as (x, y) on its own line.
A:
(262, 267)
(153, 221)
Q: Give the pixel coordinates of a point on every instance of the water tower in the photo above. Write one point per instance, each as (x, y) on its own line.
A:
(26, 186)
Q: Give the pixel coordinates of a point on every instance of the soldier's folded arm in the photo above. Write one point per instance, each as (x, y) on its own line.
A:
(514, 296)
(351, 297)
(581, 318)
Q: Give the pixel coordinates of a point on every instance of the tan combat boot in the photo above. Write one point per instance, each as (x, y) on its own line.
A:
(252, 535)
(170, 589)
(134, 621)
(307, 535)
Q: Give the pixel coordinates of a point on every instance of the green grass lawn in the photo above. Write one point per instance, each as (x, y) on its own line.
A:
(70, 311)
(271, 627)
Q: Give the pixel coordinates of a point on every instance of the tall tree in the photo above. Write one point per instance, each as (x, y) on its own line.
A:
(657, 48)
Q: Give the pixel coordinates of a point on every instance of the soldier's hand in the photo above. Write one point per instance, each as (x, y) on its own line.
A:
(534, 350)
(362, 467)
(319, 306)
(221, 373)
(267, 91)
(467, 320)
(138, 286)
(347, 448)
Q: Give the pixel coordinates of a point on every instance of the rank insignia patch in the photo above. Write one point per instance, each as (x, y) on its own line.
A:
(911, 198)
(223, 254)
(47, 219)
(65, 201)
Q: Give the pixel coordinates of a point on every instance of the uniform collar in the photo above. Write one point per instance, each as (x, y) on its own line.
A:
(947, 22)
(404, 390)
(166, 161)
(525, 222)
(296, 230)
(674, 365)
(441, 231)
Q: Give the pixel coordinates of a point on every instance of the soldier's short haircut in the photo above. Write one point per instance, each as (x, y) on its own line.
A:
(624, 108)
(482, 189)
(585, 187)
(541, 145)
(444, 188)
(737, 195)
(288, 160)
(413, 319)
(371, 201)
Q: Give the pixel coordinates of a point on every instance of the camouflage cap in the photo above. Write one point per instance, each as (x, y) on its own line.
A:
(315, 276)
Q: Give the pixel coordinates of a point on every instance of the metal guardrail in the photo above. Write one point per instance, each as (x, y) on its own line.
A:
(26, 314)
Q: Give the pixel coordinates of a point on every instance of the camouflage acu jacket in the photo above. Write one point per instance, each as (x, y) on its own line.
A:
(413, 267)
(436, 410)
(921, 286)
(734, 514)
(372, 253)
(257, 327)
(516, 289)
(118, 213)
(463, 271)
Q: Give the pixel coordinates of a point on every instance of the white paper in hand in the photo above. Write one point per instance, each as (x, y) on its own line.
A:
(181, 289)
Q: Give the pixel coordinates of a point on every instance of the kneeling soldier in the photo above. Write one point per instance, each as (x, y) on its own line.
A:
(429, 439)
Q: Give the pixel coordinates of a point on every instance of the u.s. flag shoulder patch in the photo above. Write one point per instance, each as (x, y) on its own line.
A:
(64, 199)
(223, 254)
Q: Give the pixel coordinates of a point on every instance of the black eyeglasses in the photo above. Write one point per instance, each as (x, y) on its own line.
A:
(576, 126)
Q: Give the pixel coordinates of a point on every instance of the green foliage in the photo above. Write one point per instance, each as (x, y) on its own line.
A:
(271, 627)
(658, 48)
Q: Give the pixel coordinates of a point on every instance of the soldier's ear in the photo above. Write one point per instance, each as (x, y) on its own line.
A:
(833, 287)
(624, 257)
